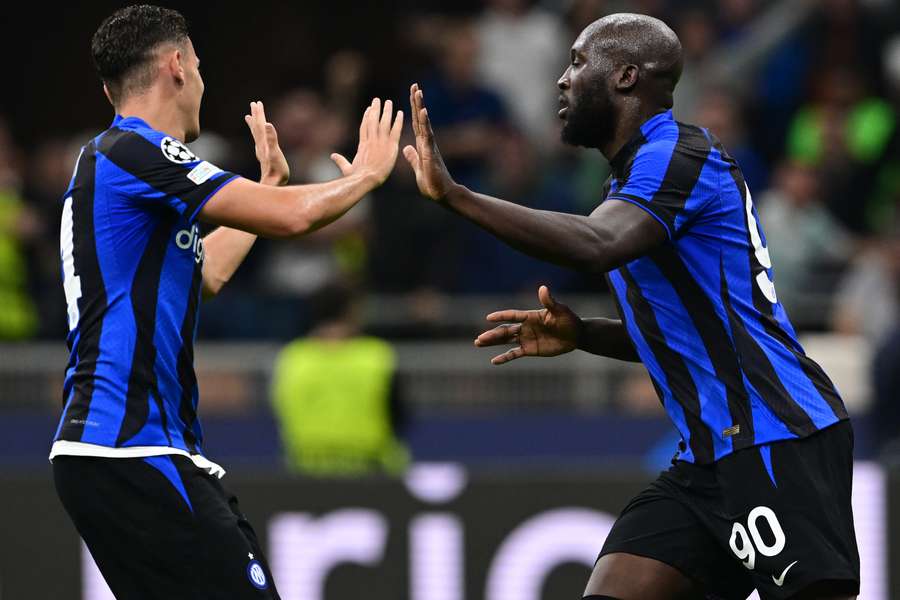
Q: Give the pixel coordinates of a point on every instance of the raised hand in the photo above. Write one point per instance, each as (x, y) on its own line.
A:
(432, 177)
(273, 166)
(550, 331)
(379, 142)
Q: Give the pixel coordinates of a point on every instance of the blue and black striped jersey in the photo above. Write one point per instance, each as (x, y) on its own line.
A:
(132, 271)
(701, 309)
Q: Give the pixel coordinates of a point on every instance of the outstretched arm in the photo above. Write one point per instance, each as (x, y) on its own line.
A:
(554, 330)
(616, 232)
(225, 248)
(286, 212)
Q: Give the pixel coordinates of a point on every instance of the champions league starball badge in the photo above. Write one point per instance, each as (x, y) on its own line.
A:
(176, 151)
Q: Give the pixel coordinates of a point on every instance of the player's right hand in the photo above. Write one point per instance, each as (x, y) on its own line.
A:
(550, 331)
(379, 143)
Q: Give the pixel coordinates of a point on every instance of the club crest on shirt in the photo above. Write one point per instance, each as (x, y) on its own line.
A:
(176, 151)
(256, 575)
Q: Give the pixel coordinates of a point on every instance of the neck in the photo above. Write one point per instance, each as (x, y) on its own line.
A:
(156, 112)
(632, 116)
(334, 330)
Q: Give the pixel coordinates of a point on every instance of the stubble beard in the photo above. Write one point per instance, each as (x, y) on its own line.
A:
(589, 121)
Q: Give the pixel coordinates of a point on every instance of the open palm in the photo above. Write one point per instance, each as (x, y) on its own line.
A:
(432, 177)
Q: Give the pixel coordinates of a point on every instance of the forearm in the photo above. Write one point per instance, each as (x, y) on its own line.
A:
(564, 239)
(606, 337)
(285, 212)
(224, 250)
(324, 203)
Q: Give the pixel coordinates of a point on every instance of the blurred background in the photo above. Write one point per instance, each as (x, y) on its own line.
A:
(372, 445)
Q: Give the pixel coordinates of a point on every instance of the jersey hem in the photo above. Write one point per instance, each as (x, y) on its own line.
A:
(761, 443)
(69, 448)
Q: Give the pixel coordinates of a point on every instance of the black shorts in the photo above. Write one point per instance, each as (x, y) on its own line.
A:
(776, 518)
(160, 527)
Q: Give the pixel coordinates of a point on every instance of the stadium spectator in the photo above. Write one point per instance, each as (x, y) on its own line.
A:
(865, 302)
(522, 54)
(806, 244)
(466, 113)
(334, 394)
(846, 131)
(46, 176)
(291, 273)
(720, 111)
(491, 266)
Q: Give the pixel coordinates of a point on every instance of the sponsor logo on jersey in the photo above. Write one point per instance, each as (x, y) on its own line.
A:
(189, 239)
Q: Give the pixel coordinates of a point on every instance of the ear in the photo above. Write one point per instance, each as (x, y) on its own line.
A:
(108, 95)
(627, 77)
(174, 65)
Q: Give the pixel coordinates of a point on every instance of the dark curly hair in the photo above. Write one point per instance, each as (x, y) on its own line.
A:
(124, 43)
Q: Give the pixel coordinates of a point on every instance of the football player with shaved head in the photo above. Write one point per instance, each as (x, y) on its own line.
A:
(758, 494)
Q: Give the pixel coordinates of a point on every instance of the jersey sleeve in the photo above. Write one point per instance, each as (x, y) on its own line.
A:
(161, 170)
(661, 181)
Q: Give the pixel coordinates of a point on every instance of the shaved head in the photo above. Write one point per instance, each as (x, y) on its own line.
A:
(639, 40)
(623, 66)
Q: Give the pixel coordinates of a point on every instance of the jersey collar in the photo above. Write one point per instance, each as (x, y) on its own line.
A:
(651, 129)
(119, 120)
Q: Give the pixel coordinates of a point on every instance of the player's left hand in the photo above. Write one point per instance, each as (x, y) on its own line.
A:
(550, 331)
(432, 177)
(273, 165)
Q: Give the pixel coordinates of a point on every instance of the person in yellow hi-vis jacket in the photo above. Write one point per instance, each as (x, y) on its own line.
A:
(334, 395)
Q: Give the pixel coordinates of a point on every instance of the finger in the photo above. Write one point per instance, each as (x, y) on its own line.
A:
(502, 334)
(412, 108)
(517, 316)
(384, 125)
(420, 106)
(364, 125)
(412, 157)
(397, 127)
(374, 117)
(261, 111)
(255, 124)
(507, 356)
(342, 163)
(271, 133)
(547, 300)
(426, 125)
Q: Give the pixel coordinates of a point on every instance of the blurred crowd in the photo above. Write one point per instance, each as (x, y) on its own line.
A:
(804, 93)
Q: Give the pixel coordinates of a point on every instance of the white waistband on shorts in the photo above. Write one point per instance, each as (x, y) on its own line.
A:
(68, 448)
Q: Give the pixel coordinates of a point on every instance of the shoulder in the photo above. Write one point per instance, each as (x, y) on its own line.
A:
(145, 151)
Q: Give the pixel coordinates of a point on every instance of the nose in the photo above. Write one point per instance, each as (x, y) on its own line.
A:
(563, 82)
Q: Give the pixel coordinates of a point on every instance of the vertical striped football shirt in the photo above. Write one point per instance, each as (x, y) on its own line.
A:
(132, 263)
(701, 309)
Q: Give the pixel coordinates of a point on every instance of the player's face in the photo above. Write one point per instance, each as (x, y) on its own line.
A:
(586, 106)
(192, 92)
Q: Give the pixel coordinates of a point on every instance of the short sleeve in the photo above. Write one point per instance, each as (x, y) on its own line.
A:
(663, 180)
(162, 170)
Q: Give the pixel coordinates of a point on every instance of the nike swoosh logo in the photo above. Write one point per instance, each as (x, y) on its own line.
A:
(779, 581)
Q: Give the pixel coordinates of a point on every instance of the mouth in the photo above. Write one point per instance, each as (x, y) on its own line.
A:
(563, 108)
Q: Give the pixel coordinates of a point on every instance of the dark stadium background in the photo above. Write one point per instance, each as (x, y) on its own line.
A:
(510, 466)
